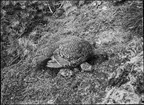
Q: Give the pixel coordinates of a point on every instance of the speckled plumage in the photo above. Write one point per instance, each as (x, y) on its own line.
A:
(69, 51)
(75, 51)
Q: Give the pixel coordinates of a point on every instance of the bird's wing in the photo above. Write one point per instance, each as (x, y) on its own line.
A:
(57, 62)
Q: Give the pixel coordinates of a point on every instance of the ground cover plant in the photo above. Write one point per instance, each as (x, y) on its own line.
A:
(114, 28)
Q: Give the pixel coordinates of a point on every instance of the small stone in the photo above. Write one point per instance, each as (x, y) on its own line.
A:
(99, 2)
(94, 3)
(86, 66)
(104, 8)
(75, 70)
(66, 72)
(50, 102)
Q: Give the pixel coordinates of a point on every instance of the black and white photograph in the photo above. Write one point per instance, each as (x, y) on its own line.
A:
(71, 52)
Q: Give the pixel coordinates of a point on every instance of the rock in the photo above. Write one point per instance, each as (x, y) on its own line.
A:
(86, 67)
(66, 72)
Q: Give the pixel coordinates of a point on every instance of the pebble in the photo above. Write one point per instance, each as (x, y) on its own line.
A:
(86, 67)
(66, 72)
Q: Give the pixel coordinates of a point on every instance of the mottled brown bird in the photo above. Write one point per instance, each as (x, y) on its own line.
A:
(71, 53)
(67, 52)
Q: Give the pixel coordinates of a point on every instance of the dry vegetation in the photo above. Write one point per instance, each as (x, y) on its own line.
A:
(113, 28)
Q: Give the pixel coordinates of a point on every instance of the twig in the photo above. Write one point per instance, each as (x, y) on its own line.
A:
(50, 8)
(61, 4)
(12, 61)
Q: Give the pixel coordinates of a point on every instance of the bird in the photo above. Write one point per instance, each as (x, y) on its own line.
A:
(70, 51)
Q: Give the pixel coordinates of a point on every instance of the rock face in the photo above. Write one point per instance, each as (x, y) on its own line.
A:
(67, 52)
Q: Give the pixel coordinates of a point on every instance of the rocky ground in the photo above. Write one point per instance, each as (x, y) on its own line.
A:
(115, 29)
